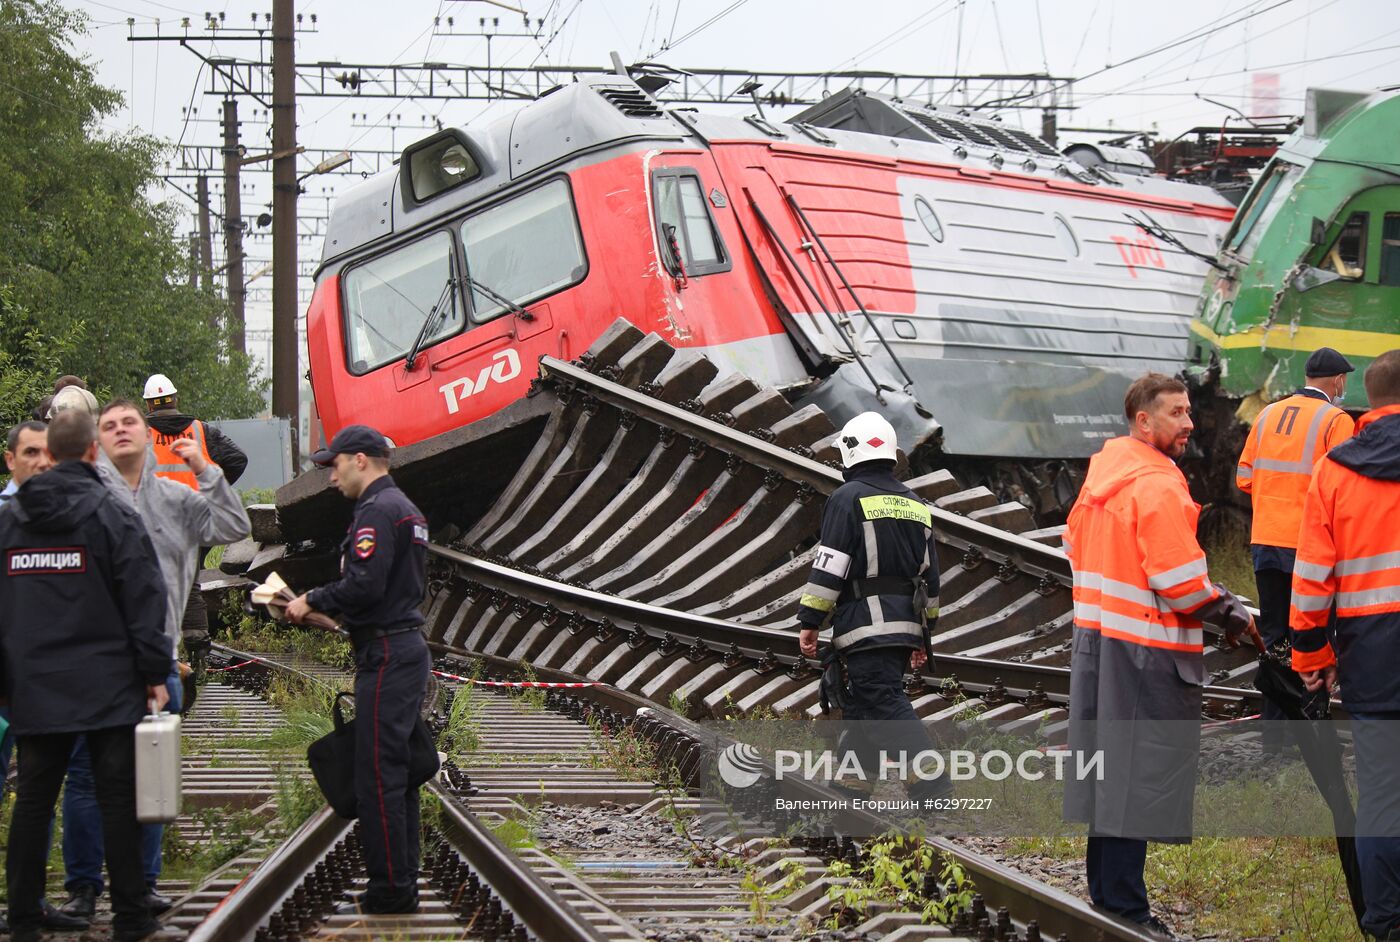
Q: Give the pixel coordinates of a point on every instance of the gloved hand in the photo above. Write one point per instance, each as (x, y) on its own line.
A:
(1228, 614)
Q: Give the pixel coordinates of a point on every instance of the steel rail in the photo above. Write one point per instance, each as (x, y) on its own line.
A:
(996, 545)
(252, 902)
(1027, 898)
(533, 902)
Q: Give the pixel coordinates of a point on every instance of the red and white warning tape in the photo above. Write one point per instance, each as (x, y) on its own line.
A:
(515, 683)
(231, 667)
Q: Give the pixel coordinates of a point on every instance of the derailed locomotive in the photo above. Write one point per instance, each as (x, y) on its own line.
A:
(989, 295)
(1312, 260)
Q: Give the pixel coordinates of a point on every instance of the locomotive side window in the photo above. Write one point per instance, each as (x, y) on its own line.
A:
(1390, 250)
(388, 299)
(1347, 256)
(682, 214)
(523, 249)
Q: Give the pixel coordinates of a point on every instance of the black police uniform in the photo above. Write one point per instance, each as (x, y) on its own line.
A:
(383, 572)
(876, 575)
(82, 635)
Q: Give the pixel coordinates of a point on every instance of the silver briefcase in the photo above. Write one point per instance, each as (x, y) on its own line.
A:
(158, 768)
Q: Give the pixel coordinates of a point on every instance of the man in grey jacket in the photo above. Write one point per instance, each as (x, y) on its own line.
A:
(179, 520)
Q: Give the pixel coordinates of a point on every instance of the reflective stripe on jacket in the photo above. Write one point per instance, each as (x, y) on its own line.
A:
(873, 527)
(168, 464)
(1286, 442)
(1139, 573)
(1349, 557)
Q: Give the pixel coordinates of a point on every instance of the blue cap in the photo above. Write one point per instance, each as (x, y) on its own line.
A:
(1327, 362)
(353, 440)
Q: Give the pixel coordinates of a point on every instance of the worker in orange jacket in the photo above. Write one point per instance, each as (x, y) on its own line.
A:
(1349, 559)
(1287, 440)
(1141, 595)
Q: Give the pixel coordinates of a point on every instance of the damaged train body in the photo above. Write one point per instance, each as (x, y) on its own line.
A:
(989, 295)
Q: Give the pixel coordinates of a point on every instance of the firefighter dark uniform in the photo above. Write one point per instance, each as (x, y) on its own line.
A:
(1349, 557)
(875, 576)
(1141, 592)
(383, 563)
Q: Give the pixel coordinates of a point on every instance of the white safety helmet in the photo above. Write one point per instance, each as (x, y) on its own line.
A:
(158, 387)
(73, 397)
(867, 437)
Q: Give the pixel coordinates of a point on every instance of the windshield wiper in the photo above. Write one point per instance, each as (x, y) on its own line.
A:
(499, 298)
(429, 324)
(1155, 229)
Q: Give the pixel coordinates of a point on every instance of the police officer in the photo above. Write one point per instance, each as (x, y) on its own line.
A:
(876, 576)
(383, 571)
(1349, 560)
(1277, 462)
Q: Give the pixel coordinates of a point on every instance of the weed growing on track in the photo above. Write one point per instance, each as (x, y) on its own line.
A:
(269, 637)
(298, 798)
(894, 870)
(460, 735)
(225, 833)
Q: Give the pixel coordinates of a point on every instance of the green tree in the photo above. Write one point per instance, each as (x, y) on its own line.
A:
(93, 277)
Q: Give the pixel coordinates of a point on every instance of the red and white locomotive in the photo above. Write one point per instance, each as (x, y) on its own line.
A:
(869, 253)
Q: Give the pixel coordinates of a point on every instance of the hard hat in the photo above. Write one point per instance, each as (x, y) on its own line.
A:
(73, 397)
(158, 387)
(867, 437)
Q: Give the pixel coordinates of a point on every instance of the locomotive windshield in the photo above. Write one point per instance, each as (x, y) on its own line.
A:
(1260, 207)
(523, 249)
(388, 298)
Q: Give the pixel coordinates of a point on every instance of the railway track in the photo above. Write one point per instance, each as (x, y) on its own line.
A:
(550, 757)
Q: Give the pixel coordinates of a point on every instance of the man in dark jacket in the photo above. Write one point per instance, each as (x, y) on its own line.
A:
(82, 632)
(876, 576)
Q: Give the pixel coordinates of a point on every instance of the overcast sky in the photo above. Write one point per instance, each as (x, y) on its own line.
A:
(1138, 65)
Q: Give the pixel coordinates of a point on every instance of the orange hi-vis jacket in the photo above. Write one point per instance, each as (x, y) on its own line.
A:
(1138, 571)
(1349, 557)
(1287, 439)
(168, 464)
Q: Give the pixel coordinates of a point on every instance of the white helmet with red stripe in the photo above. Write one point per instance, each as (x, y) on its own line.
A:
(867, 437)
(158, 386)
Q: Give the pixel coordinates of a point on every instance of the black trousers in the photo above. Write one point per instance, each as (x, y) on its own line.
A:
(43, 760)
(1275, 589)
(1115, 870)
(884, 718)
(391, 674)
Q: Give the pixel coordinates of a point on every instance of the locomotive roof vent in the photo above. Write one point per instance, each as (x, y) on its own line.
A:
(984, 134)
(632, 102)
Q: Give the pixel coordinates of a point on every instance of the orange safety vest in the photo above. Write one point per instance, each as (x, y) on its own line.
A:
(168, 464)
(1286, 442)
(1349, 557)
(1131, 541)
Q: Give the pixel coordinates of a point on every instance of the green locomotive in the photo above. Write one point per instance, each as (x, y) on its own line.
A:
(1312, 259)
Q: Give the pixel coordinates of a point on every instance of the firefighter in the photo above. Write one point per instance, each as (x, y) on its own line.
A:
(1349, 558)
(168, 425)
(1287, 439)
(876, 576)
(383, 572)
(1141, 593)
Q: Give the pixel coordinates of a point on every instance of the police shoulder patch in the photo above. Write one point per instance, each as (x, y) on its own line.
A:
(365, 541)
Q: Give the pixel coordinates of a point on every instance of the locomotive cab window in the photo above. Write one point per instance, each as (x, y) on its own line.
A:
(523, 249)
(1390, 250)
(1347, 256)
(389, 299)
(686, 233)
